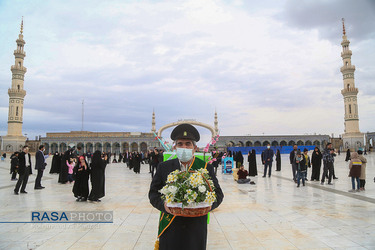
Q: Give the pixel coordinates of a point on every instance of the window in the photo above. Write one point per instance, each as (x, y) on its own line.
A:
(16, 111)
(350, 109)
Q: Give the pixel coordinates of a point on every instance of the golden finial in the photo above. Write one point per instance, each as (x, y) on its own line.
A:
(343, 26)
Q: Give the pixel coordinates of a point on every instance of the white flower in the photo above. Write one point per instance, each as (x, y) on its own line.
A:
(173, 189)
(164, 190)
(171, 178)
(202, 189)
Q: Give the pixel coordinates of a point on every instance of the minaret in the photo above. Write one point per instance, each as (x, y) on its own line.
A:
(216, 124)
(153, 129)
(353, 138)
(14, 140)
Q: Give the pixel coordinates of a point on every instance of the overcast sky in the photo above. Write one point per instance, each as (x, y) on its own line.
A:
(269, 67)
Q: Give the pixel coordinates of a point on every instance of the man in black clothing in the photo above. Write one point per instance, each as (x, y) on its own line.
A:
(267, 160)
(328, 161)
(155, 161)
(292, 157)
(40, 165)
(182, 232)
(24, 170)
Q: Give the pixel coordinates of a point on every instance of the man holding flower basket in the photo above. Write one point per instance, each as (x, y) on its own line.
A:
(184, 190)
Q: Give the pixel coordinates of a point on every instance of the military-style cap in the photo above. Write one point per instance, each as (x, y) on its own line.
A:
(185, 131)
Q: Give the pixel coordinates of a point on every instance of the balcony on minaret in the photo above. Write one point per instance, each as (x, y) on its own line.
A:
(349, 91)
(346, 54)
(19, 53)
(347, 68)
(17, 68)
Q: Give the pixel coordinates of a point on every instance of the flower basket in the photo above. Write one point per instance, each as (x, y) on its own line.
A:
(189, 194)
(197, 210)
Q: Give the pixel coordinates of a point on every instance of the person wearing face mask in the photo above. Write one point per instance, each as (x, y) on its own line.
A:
(267, 160)
(177, 232)
(40, 165)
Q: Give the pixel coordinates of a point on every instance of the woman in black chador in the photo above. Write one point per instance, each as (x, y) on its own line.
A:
(278, 160)
(252, 163)
(316, 162)
(56, 164)
(137, 158)
(347, 158)
(239, 157)
(97, 167)
(63, 175)
(81, 184)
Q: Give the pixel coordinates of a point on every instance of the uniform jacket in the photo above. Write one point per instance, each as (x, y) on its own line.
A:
(184, 232)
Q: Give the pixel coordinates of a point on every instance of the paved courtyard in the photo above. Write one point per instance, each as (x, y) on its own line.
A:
(273, 214)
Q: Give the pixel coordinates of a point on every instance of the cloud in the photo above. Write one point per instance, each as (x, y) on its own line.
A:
(261, 66)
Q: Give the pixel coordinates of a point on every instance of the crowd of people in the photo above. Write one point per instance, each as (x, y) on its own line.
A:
(78, 168)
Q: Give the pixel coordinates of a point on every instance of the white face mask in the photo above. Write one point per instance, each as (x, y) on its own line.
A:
(268, 147)
(184, 154)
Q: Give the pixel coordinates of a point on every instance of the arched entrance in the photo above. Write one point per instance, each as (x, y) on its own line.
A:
(134, 147)
(54, 148)
(116, 148)
(63, 147)
(98, 146)
(143, 147)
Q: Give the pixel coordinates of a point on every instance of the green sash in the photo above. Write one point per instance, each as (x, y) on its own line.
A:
(166, 219)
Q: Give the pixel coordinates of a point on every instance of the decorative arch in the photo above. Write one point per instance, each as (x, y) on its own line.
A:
(9, 148)
(143, 146)
(316, 143)
(98, 147)
(116, 148)
(274, 144)
(265, 143)
(63, 147)
(107, 147)
(291, 143)
(240, 144)
(134, 147)
(308, 143)
(125, 146)
(230, 144)
(300, 143)
(249, 144)
(257, 144)
(173, 124)
(89, 147)
(54, 147)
